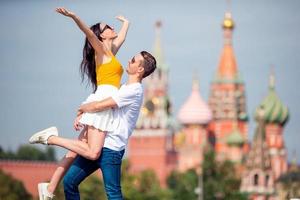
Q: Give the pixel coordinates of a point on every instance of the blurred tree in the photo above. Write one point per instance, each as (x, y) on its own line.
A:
(59, 192)
(50, 154)
(12, 189)
(219, 179)
(143, 186)
(92, 188)
(7, 154)
(183, 185)
(29, 152)
(288, 185)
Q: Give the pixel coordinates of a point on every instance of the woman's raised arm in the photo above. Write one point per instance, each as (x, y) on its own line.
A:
(92, 38)
(117, 43)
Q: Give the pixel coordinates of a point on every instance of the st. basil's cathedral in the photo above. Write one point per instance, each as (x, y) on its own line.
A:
(221, 123)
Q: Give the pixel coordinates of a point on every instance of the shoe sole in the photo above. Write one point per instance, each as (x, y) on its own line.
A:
(52, 129)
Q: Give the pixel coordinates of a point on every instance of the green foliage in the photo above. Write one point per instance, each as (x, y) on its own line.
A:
(59, 192)
(12, 189)
(143, 186)
(219, 179)
(290, 184)
(29, 152)
(183, 185)
(50, 154)
(7, 154)
(92, 188)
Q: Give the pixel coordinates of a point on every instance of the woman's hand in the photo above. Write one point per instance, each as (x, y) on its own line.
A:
(64, 12)
(122, 18)
(77, 125)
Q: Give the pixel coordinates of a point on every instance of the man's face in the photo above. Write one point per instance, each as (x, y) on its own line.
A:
(135, 65)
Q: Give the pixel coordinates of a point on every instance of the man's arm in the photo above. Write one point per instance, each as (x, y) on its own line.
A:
(97, 106)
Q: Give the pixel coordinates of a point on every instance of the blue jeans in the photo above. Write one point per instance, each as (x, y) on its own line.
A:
(110, 164)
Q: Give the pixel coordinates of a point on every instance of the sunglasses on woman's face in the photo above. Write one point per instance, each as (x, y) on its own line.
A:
(106, 27)
(132, 60)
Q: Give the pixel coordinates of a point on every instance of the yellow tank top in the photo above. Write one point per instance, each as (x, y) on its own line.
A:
(109, 73)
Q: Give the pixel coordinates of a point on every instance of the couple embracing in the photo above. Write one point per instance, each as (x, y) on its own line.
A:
(106, 118)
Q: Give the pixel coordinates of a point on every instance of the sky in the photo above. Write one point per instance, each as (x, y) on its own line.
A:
(41, 51)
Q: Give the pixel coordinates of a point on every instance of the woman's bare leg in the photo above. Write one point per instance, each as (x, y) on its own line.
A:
(60, 171)
(90, 150)
(64, 164)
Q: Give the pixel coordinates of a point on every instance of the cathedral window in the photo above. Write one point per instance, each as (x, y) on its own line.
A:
(267, 180)
(255, 181)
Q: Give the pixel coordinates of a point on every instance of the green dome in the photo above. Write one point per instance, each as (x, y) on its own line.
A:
(235, 138)
(274, 110)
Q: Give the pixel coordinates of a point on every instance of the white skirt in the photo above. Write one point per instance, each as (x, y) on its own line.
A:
(103, 120)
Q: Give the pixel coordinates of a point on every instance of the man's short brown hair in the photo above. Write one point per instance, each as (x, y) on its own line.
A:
(149, 63)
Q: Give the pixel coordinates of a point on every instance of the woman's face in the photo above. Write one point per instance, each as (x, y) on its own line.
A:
(107, 31)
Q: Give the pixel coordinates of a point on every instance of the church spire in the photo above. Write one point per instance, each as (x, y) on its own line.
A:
(258, 156)
(195, 86)
(156, 111)
(257, 178)
(227, 70)
(228, 27)
(272, 79)
(157, 50)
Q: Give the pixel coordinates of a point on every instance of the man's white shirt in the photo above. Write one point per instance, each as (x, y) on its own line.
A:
(129, 100)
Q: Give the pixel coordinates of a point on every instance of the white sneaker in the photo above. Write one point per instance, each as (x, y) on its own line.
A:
(43, 192)
(42, 136)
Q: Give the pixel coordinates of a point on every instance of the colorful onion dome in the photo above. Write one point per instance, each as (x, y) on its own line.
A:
(194, 110)
(275, 111)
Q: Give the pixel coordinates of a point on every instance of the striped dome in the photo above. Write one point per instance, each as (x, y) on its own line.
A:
(194, 110)
(274, 110)
(235, 138)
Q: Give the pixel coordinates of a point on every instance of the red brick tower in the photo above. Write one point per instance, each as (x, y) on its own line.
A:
(151, 145)
(227, 100)
(276, 115)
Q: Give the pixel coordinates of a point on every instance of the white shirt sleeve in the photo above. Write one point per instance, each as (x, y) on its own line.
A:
(126, 96)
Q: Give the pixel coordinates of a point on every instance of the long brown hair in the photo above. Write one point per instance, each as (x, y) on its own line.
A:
(88, 65)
